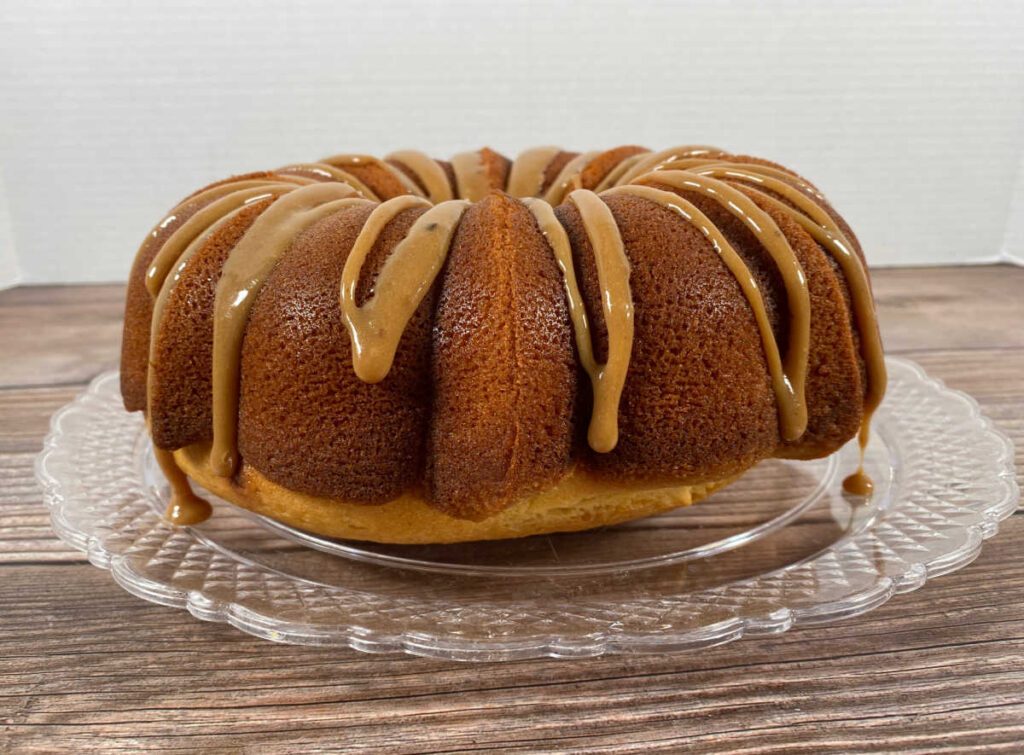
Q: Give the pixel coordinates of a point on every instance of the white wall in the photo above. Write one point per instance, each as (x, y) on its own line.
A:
(910, 115)
(10, 271)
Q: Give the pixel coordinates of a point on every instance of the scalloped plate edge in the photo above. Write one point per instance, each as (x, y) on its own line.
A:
(774, 622)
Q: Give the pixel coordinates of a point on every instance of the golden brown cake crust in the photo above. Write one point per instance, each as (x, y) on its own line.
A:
(496, 167)
(305, 420)
(504, 369)
(697, 403)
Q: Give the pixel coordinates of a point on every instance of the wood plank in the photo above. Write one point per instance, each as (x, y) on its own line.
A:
(950, 308)
(59, 335)
(25, 534)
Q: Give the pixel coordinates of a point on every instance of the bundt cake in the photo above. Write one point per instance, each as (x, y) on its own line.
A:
(409, 350)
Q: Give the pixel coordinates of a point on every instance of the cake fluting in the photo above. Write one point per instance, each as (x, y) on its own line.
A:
(411, 350)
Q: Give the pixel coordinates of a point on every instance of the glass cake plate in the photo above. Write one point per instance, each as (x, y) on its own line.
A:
(782, 546)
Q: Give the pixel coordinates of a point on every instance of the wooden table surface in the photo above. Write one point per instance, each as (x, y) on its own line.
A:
(84, 665)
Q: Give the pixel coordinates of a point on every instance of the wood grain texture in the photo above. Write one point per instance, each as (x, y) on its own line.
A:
(85, 666)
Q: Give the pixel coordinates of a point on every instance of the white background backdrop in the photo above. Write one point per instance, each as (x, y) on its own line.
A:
(909, 115)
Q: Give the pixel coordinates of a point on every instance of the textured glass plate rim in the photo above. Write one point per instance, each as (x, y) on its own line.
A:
(103, 550)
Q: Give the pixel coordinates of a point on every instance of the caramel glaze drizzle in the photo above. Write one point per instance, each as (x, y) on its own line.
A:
(789, 385)
(566, 177)
(824, 230)
(526, 176)
(344, 161)
(306, 192)
(329, 173)
(789, 402)
(470, 176)
(185, 507)
(376, 327)
(651, 161)
(221, 203)
(430, 174)
(242, 277)
(160, 302)
(224, 200)
(613, 176)
(612, 265)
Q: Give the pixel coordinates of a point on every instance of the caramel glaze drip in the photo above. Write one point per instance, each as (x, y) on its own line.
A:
(348, 161)
(615, 174)
(470, 176)
(225, 199)
(160, 302)
(526, 176)
(326, 172)
(567, 176)
(789, 384)
(859, 483)
(306, 192)
(221, 203)
(616, 303)
(789, 402)
(824, 230)
(376, 327)
(427, 170)
(242, 277)
(651, 161)
(185, 507)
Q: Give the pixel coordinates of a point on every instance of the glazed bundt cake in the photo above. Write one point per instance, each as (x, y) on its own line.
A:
(409, 350)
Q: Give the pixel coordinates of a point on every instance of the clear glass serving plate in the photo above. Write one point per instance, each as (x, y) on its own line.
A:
(781, 547)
